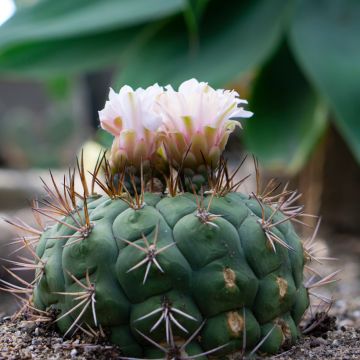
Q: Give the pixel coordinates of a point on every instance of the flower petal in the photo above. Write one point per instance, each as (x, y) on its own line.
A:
(201, 115)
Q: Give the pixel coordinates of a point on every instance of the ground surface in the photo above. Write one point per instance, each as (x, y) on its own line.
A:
(337, 336)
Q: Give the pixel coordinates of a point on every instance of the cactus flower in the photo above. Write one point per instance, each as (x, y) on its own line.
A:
(131, 117)
(199, 118)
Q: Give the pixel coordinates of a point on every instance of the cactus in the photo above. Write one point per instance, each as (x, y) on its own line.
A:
(175, 274)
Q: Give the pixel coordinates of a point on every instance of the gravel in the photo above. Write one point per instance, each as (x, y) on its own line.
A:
(337, 344)
(336, 336)
(20, 339)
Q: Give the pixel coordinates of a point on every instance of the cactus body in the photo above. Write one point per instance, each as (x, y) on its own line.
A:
(155, 265)
(169, 269)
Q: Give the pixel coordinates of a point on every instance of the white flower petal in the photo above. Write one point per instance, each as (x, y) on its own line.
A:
(241, 113)
(194, 109)
(203, 104)
(132, 115)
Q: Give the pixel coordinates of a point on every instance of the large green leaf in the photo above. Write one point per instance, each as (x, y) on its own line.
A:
(288, 118)
(59, 19)
(67, 36)
(233, 39)
(193, 14)
(50, 58)
(325, 37)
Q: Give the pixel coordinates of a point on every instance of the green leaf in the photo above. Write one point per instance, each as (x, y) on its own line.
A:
(59, 88)
(193, 14)
(68, 36)
(325, 37)
(288, 117)
(233, 39)
(51, 19)
(57, 57)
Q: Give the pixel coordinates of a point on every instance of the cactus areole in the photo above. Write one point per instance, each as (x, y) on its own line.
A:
(158, 251)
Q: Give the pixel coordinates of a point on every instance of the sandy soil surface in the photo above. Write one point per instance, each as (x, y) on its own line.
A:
(331, 335)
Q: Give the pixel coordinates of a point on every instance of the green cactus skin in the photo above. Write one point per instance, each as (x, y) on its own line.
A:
(223, 271)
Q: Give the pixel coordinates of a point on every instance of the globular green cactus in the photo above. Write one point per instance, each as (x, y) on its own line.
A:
(156, 268)
(165, 272)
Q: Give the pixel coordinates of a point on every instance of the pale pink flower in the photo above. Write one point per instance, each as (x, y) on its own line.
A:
(131, 117)
(200, 118)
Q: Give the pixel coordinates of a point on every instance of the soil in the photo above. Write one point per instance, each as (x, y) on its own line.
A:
(23, 340)
(334, 334)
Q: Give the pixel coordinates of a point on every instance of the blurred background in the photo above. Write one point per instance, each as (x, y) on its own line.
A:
(296, 61)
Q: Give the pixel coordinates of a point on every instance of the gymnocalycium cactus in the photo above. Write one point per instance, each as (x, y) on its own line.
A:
(161, 254)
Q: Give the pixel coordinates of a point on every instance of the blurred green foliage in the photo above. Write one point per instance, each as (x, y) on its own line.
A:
(44, 144)
(303, 56)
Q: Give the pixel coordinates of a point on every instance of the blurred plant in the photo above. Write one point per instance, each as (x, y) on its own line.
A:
(44, 144)
(47, 138)
(304, 56)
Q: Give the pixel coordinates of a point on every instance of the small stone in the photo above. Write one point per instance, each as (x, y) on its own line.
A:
(73, 353)
(341, 305)
(317, 341)
(335, 343)
(35, 342)
(57, 348)
(58, 340)
(314, 342)
(346, 323)
(36, 332)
